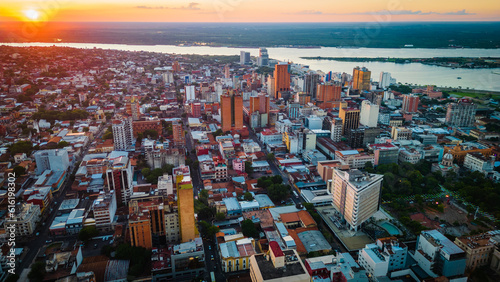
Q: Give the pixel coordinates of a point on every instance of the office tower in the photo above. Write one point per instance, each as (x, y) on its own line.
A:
(226, 72)
(133, 108)
(196, 109)
(356, 195)
(185, 202)
(270, 86)
(410, 103)
(369, 114)
(140, 230)
(328, 93)
(361, 78)
(263, 57)
(311, 81)
(336, 129)
(190, 92)
(122, 134)
(231, 112)
(461, 114)
(244, 58)
(293, 110)
(178, 132)
(119, 178)
(104, 208)
(56, 160)
(260, 103)
(281, 78)
(176, 67)
(350, 119)
(385, 80)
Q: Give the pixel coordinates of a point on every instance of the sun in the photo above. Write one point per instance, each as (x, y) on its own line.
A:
(32, 14)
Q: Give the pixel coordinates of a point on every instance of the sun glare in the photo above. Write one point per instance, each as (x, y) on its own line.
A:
(32, 14)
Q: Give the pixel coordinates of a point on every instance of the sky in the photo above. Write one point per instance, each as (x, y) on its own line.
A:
(248, 10)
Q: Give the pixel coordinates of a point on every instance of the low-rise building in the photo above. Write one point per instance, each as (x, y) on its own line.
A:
(478, 249)
(24, 219)
(478, 162)
(235, 255)
(383, 257)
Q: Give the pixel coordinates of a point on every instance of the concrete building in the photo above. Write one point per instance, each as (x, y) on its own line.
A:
(231, 112)
(409, 156)
(244, 58)
(478, 248)
(356, 195)
(278, 266)
(165, 184)
(438, 256)
(140, 230)
(384, 256)
(119, 177)
(235, 255)
(410, 103)
(477, 162)
(190, 91)
(385, 80)
(328, 95)
(179, 135)
(157, 158)
(281, 78)
(401, 133)
(104, 208)
(336, 129)
(142, 126)
(461, 114)
(122, 134)
(263, 59)
(354, 159)
(361, 78)
(185, 203)
(385, 153)
(350, 119)
(56, 159)
(24, 219)
(369, 114)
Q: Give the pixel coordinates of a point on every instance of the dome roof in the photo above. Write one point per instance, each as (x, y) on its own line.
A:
(448, 156)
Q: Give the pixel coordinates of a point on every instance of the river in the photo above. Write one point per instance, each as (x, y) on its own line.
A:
(413, 73)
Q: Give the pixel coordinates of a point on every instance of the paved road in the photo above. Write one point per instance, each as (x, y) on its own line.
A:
(36, 242)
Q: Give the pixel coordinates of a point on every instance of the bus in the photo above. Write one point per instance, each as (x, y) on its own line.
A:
(295, 193)
(212, 275)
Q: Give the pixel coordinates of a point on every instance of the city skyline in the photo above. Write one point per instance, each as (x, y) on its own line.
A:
(247, 11)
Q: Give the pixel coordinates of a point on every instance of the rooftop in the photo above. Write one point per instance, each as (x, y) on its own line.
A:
(268, 271)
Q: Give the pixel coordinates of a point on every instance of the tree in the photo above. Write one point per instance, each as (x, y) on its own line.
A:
(369, 167)
(19, 170)
(270, 157)
(108, 135)
(248, 167)
(87, 233)
(248, 196)
(37, 272)
(208, 230)
(278, 192)
(248, 229)
(86, 129)
(220, 216)
(153, 134)
(62, 144)
(146, 172)
(21, 147)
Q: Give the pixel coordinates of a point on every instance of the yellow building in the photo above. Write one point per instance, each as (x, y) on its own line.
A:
(235, 255)
(478, 249)
(361, 78)
(185, 204)
(140, 231)
(460, 151)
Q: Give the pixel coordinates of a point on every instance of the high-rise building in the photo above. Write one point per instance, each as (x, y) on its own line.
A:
(350, 119)
(119, 177)
(336, 130)
(244, 58)
(410, 103)
(122, 134)
(293, 110)
(385, 80)
(356, 195)
(148, 215)
(56, 160)
(263, 57)
(104, 208)
(311, 81)
(227, 74)
(461, 114)
(281, 78)
(369, 114)
(178, 132)
(185, 202)
(231, 112)
(196, 109)
(361, 78)
(261, 103)
(133, 108)
(140, 230)
(328, 93)
(190, 91)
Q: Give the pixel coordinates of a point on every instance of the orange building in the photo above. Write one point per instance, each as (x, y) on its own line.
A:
(281, 79)
(327, 94)
(460, 151)
(350, 119)
(304, 98)
(231, 112)
(176, 67)
(185, 203)
(260, 103)
(140, 231)
(141, 126)
(361, 78)
(178, 132)
(133, 108)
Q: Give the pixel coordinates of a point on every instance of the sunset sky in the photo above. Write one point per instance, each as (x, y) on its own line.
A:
(248, 10)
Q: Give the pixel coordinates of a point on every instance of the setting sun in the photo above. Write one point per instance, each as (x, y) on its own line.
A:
(32, 14)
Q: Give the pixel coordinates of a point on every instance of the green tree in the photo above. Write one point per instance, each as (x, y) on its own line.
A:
(19, 170)
(21, 147)
(270, 157)
(37, 272)
(87, 233)
(108, 135)
(248, 196)
(248, 167)
(153, 134)
(278, 192)
(62, 144)
(220, 216)
(369, 167)
(248, 229)
(146, 172)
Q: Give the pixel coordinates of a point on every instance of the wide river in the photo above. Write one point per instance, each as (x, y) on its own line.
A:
(414, 73)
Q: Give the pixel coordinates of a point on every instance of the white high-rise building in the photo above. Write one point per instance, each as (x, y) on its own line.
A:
(244, 58)
(56, 159)
(263, 57)
(356, 195)
(122, 134)
(369, 114)
(190, 92)
(386, 80)
(336, 130)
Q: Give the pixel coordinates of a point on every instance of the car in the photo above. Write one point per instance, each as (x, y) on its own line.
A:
(38, 233)
(209, 247)
(212, 257)
(48, 241)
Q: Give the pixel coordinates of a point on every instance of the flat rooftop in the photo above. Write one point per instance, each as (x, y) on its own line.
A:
(269, 272)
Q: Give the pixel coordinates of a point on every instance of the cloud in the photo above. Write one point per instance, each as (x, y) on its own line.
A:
(385, 12)
(193, 6)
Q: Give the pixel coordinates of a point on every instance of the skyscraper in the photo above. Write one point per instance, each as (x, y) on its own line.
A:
(328, 93)
(244, 58)
(461, 114)
(281, 78)
(260, 103)
(119, 177)
(369, 114)
(133, 108)
(356, 195)
(56, 159)
(311, 81)
(410, 103)
(140, 230)
(231, 112)
(122, 134)
(178, 132)
(385, 80)
(361, 78)
(185, 202)
(350, 119)
(263, 57)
